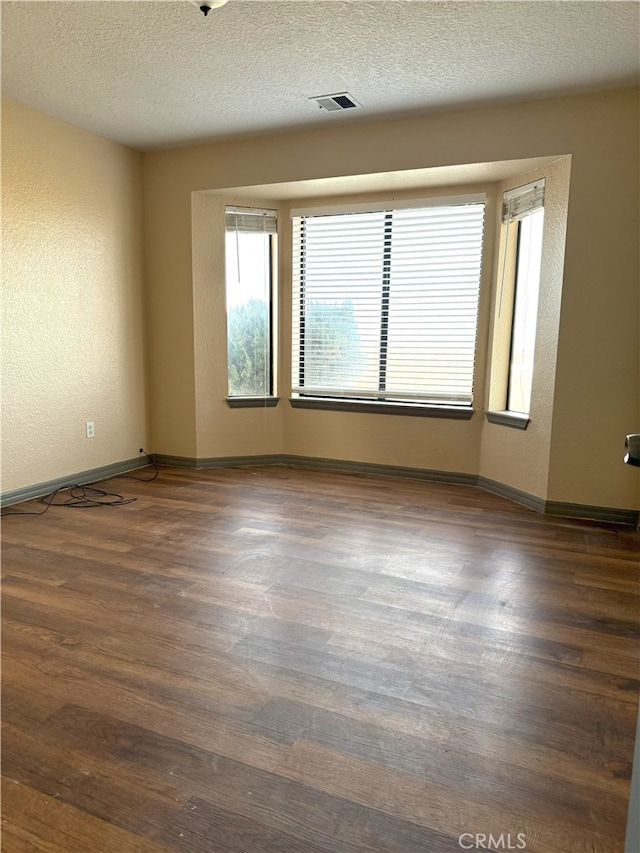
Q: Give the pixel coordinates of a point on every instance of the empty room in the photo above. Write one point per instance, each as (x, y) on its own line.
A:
(320, 426)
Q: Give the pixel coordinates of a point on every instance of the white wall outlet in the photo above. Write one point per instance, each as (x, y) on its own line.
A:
(91, 433)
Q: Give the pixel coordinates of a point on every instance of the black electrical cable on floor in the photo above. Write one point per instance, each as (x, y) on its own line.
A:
(84, 497)
(150, 479)
(87, 496)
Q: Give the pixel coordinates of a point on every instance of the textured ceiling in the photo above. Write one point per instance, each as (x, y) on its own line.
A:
(153, 74)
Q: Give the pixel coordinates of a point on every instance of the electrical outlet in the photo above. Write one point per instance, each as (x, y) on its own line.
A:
(91, 433)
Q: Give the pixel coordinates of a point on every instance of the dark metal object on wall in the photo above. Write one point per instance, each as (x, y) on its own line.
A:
(632, 447)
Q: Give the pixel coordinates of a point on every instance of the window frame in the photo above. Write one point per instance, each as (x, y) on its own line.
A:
(269, 399)
(518, 287)
(517, 205)
(370, 401)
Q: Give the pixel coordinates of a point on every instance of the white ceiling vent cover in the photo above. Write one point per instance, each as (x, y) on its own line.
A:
(339, 101)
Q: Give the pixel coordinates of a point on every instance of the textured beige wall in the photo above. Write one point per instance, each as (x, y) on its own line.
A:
(172, 411)
(596, 401)
(594, 388)
(73, 343)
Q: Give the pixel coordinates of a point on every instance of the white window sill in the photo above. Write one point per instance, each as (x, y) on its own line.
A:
(423, 410)
(515, 420)
(252, 402)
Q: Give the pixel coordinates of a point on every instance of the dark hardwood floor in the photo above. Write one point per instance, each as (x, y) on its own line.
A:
(270, 660)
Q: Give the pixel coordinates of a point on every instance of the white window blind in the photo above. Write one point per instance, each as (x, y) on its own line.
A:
(385, 303)
(523, 201)
(251, 219)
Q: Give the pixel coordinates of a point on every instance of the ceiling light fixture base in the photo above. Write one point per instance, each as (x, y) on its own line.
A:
(206, 6)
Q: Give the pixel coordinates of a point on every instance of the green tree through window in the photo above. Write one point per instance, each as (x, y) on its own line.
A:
(248, 349)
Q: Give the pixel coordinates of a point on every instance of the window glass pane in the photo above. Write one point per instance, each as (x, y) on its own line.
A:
(386, 303)
(342, 269)
(248, 283)
(525, 312)
(433, 305)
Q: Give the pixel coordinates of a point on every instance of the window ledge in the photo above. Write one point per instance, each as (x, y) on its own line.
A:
(515, 420)
(423, 410)
(252, 402)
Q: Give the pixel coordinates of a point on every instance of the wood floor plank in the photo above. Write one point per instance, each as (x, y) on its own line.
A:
(431, 805)
(276, 659)
(43, 824)
(109, 789)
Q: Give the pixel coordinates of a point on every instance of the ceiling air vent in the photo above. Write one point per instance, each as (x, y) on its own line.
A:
(339, 101)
